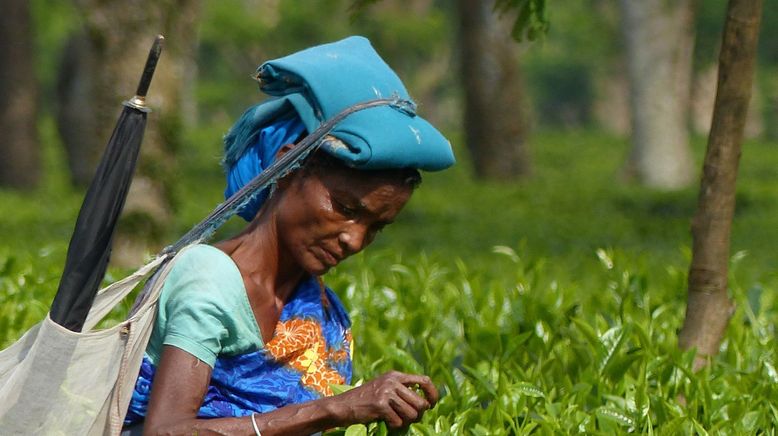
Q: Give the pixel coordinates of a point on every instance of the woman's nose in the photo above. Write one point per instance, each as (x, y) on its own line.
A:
(354, 237)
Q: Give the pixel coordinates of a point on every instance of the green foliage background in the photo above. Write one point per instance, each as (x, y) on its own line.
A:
(549, 305)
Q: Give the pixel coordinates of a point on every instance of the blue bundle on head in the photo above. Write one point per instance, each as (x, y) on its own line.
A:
(311, 86)
(258, 157)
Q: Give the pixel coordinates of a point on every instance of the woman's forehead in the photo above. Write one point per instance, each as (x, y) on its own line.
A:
(362, 182)
(373, 192)
(382, 203)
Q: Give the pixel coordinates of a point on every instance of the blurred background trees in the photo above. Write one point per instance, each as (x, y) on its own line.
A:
(99, 69)
(20, 163)
(601, 67)
(659, 42)
(494, 95)
(574, 112)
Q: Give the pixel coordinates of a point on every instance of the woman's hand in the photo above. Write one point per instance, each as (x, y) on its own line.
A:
(182, 380)
(391, 398)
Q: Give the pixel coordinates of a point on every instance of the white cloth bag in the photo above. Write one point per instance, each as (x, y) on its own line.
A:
(57, 382)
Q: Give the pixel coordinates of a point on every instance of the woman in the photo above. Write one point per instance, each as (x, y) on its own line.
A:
(247, 339)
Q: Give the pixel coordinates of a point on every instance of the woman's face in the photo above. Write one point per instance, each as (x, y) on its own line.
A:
(328, 214)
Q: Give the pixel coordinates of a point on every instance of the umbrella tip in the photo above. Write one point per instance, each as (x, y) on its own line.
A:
(151, 65)
(156, 47)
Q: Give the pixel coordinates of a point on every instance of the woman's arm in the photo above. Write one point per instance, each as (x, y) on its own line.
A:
(182, 379)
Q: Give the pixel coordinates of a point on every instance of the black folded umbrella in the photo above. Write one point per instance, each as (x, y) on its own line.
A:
(90, 245)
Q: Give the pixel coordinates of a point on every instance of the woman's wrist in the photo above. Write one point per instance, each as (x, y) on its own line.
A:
(304, 418)
(334, 412)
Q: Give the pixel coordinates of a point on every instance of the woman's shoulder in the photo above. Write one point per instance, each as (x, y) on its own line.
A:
(203, 271)
(203, 257)
(204, 260)
(203, 308)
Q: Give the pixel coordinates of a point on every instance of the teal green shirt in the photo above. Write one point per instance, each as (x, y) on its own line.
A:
(203, 308)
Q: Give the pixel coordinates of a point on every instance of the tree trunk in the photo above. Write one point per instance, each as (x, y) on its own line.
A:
(659, 40)
(495, 127)
(119, 35)
(19, 147)
(76, 119)
(704, 97)
(709, 307)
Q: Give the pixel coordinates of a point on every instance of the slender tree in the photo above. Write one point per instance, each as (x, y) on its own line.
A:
(19, 148)
(709, 307)
(495, 123)
(659, 40)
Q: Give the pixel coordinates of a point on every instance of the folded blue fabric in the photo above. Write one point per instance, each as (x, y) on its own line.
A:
(312, 86)
(257, 157)
(321, 81)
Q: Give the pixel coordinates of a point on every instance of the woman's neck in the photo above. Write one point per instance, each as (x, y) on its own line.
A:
(266, 271)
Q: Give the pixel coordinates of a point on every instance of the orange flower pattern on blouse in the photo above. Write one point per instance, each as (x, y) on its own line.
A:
(299, 343)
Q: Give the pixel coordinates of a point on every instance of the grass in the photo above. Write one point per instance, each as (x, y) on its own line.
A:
(545, 306)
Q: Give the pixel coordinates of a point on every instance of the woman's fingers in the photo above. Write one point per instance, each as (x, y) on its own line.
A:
(392, 417)
(425, 384)
(407, 413)
(408, 404)
(392, 397)
(419, 403)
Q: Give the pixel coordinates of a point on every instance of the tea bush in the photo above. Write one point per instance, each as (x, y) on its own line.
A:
(522, 353)
(545, 306)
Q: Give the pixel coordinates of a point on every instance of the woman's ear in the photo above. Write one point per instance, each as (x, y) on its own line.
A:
(283, 182)
(283, 150)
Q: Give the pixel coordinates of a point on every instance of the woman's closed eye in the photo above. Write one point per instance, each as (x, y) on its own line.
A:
(345, 210)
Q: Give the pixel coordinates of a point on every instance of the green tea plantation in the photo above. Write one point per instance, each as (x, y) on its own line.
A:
(547, 306)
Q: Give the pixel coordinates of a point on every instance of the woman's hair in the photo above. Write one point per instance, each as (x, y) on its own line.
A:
(321, 160)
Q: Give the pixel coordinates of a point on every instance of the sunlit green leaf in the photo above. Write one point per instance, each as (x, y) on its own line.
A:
(698, 428)
(339, 389)
(614, 415)
(529, 390)
(356, 430)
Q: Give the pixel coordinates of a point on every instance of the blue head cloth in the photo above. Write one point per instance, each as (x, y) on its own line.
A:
(315, 84)
(257, 157)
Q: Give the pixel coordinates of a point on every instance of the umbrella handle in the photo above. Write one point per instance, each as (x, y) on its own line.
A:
(139, 101)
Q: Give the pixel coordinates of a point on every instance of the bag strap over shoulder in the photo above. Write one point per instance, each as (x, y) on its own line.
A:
(114, 293)
(156, 271)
